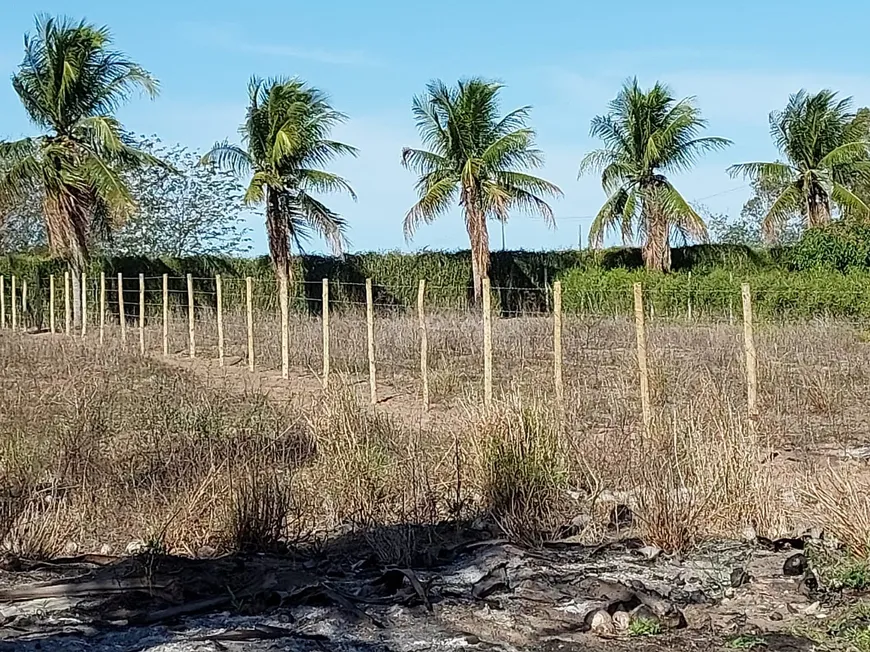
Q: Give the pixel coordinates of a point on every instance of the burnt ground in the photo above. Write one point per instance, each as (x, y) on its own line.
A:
(482, 595)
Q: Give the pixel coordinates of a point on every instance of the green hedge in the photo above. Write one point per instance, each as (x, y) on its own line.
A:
(822, 275)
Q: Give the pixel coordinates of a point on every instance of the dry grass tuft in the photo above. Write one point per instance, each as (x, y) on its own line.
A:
(843, 507)
(261, 505)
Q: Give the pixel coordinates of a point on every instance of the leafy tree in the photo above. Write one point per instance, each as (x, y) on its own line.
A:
(477, 156)
(287, 139)
(21, 224)
(194, 211)
(826, 150)
(70, 83)
(746, 229)
(647, 135)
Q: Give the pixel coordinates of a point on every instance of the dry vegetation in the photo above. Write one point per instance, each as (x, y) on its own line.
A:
(100, 447)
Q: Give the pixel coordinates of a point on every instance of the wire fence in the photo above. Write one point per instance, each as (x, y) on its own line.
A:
(613, 344)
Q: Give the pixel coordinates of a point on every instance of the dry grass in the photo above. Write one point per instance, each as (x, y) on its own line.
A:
(138, 450)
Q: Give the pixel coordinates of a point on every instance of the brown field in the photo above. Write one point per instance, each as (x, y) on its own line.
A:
(102, 447)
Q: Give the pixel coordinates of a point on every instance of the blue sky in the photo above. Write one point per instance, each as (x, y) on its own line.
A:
(567, 59)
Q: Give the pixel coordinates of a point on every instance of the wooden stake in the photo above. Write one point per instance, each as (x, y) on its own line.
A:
(730, 299)
(642, 366)
(102, 307)
(689, 298)
(191, 338)
(142, 314)
(751, 358)
(487, 344)
(166, 314)
(83, 286)
(424, 345)
(14, 306)
(285, 326)
(325, 333)
(220, 318)
(249, 308)
(66, 304)
(370, 333)
(23, 303)
(3, 302)
(557, 343)
(122, 315)
(51, 320)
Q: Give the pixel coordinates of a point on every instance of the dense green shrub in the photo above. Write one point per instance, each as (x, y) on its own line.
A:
(840, 245)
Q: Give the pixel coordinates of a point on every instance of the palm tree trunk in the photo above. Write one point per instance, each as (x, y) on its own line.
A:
(818, 209)
(478, 236)
(66, 215)
(657, 248)
(279, 250)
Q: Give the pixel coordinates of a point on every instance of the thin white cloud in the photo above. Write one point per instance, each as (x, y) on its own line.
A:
(228, 38)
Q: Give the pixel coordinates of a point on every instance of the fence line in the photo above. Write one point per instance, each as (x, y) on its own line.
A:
(26, 302)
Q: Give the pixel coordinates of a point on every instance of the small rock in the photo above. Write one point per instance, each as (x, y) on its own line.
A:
(621, 517)
(813, 608)
(471, 639)
(105, 549)
(775, 616)
(795, 565)
(643, 612)
(601, 624)
(70, 548)
(650, 553)
(739, 577)
(808, 585)
(135, 547)
(749, 534)
(729, 592)
(206, 552)
(621, 621)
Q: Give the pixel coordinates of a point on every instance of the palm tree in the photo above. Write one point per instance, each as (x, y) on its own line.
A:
(647, 135)
(286, 137)
(826, 147)
(477, 156)
(70, 83)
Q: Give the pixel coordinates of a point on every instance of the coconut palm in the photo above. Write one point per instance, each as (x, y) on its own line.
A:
(286, 141)
(70, 83)
(647, 135)
(476, 156)
(826, 149)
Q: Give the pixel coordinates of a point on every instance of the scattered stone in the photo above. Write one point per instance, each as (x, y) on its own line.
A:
(494, 580)
(135, 547)
(70, 548)
(808, 585)
(739, 577)
(650, 553)
(621, 517)
(813, 608)
(645, 614)
(471, 639)
(683, 596)
(601, 624)
(749, 534)
(206, 552)
(775, 616)
(621, 621)
(795, 565)
(105, 549)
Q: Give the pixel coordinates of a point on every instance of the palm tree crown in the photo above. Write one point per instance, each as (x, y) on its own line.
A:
(70, 83)
(826, 149)
(647, 135)
(476, 156)
(286, 136)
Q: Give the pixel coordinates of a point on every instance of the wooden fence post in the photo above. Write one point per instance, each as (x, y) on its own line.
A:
(166, 314)
(14, 306)
(142, 314)
(642, 366)
(51, 318)
(730, 299)
(3, 302)
(83, 282)
(220, 317)
(67, 308)
(689, 298)
(424, 344)
(283, 291)
(370, 336)
(122, 314)
(249, 309)
(487, 344)
(557, 343)
(23, 319)
(102, 307)
(191, 324)
(751, 358)
(325, 333)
